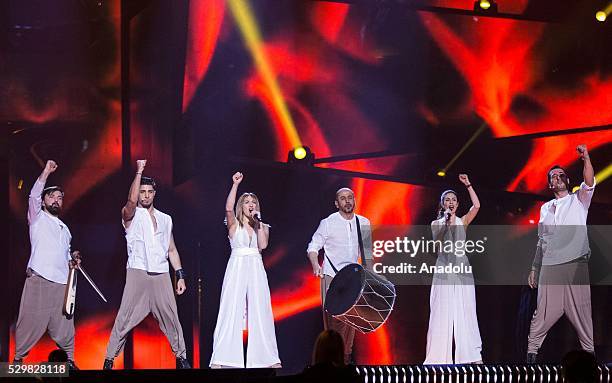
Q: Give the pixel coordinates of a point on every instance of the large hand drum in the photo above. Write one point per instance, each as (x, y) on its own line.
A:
(360, 298)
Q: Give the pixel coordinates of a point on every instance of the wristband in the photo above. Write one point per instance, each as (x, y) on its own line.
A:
(468, 186)
(180, 274)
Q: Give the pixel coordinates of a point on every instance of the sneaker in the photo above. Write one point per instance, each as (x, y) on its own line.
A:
(182, 363)
(108, 364)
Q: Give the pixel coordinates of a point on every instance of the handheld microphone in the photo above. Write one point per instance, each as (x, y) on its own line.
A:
(447, 214)
(258, 219)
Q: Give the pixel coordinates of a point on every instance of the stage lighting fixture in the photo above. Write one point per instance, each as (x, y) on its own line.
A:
(301, 154)
(441, 173)
(601, 16)
(485, 6)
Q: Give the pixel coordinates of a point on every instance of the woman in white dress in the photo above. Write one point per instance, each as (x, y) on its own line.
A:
(453, 300)
(245, 296)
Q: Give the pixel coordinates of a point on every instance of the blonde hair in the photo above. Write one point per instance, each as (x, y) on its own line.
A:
(238, 210)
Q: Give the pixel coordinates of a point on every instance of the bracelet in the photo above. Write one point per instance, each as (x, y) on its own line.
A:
(180, 274)
(468, 186)
(139, 173)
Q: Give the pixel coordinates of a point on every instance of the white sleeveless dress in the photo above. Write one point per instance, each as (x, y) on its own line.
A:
(245, 290)
(453, 310)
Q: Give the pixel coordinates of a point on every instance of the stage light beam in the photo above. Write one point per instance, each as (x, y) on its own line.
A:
(251, 35)
(603, 14)
(604, 174)
(463, 149)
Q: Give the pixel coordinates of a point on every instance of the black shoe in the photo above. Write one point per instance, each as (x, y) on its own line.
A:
(182, 363)
(71, 365)
(17, 361)
(531, 358)
(108, 364)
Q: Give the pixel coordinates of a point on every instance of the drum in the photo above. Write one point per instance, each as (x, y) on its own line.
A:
(360, 298)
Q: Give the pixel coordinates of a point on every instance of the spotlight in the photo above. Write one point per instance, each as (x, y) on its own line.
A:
(441, 173)
(302, 155)
(601, 16)
(299, 153)
(485, 6)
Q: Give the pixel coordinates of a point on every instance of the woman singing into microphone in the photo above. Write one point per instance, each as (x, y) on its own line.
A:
(453, 300)
(245, 296)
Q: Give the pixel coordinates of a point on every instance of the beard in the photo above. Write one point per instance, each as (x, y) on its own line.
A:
(53, 209)
(348, 208)
(146, 205)
(560, 186)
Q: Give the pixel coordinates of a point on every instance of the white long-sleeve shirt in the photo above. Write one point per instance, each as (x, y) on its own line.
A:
(337, 236)
(562, 229)
(49, 238)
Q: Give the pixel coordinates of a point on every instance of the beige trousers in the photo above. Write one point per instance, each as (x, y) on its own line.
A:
(146, 293)
(40, 310)
(563, 289)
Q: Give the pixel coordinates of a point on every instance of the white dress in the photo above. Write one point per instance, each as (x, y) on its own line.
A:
(452, 309)
(245, 281)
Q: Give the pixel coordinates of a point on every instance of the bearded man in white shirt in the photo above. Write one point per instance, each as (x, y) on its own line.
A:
(337, 236)
(560, 267)
(42, 299)
(148, 289)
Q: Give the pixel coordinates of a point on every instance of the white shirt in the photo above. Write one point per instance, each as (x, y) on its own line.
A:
(148, 248)
(338, 237)
(50, 240)
(562, 229)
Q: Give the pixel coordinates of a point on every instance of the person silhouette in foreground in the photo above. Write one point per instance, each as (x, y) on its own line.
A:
(328, 361)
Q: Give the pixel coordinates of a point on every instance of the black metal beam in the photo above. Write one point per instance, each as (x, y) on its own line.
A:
(554, 133)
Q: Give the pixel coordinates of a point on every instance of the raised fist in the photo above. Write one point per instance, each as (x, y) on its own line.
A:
(140, 165)
(50, 167)
(237, 178)
(582, 151)
(464, 179)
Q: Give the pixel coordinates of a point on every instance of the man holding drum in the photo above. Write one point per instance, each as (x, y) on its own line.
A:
(338, 235)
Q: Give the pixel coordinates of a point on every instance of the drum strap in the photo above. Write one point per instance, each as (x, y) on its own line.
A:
(361, 252)
(331, 264)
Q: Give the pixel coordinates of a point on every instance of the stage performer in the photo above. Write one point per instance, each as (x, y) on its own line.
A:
(452, 300)
(42, 299)
(560, 268)
(245, 295)
(148, 287)
(337, 235)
